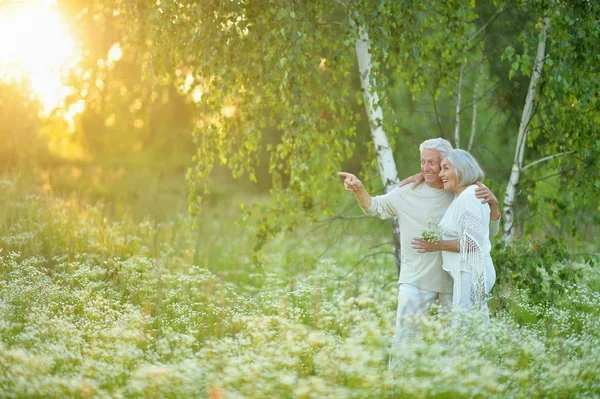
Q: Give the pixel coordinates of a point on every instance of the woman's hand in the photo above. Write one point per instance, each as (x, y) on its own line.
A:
(422, 246)
(416, 179)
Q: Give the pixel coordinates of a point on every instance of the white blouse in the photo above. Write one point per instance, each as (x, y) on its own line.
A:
(468, 220)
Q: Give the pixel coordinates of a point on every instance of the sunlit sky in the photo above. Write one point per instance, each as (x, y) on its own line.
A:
(35, 44)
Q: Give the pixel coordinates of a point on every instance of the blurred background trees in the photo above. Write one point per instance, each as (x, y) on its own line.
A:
(19, 130)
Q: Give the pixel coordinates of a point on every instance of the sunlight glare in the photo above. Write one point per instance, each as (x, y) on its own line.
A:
(114, 54)
(35, 46)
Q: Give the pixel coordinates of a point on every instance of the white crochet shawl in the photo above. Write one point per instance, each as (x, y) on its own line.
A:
(470, 219)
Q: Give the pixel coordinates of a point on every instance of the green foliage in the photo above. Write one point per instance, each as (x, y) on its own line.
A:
(566, 115)
(19, 131)
(542, 270)
(279, 85)
(280, 96)
(126, 113)
(291, 68)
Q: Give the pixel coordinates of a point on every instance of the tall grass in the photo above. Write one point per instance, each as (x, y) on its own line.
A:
(91, 306)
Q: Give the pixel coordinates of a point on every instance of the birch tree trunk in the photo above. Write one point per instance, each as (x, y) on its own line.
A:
(385, 158)
(511, 189)
(475, 100)
(458, 96)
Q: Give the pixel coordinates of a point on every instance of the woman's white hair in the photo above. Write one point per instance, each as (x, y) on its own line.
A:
(466, 167)
(442, 146)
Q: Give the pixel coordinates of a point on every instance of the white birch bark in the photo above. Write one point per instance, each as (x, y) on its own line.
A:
(385, 158)
(511, 189)
(458, 94)
(475, 100)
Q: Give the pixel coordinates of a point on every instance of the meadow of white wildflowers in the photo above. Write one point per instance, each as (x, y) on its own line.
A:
(93, 308)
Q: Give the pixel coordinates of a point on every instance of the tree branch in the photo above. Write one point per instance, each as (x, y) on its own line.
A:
(437, 116)
(556, 174)
(340, 217)
(366, 257)
(474, 121)
(342, 3)
(492, 18)
(549, 157)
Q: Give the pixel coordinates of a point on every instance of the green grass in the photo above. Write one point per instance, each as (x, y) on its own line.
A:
(96, 303)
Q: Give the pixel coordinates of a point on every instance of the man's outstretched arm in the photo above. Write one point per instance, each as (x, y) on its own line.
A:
(354, 185)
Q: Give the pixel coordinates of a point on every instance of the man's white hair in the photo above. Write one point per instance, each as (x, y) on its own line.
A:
(466, 167)
(440, 145)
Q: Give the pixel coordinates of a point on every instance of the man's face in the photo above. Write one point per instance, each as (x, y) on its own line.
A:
(430, 166)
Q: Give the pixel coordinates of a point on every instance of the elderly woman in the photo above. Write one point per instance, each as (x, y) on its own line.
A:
(465, 243)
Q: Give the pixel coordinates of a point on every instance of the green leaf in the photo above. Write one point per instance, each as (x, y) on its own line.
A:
(508, 53)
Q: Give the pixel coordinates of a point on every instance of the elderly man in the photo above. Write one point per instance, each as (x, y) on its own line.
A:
(422, 279)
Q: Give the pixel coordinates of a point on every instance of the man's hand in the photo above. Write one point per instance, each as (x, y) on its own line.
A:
(416, 179)
(354, 185)
(351, 182)
(483, 192)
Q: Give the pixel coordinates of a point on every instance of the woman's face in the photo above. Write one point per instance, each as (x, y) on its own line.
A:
(448, 175)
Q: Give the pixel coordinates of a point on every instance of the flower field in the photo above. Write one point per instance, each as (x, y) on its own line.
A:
(97, 308)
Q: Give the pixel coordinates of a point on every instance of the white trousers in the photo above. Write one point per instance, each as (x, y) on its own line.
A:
(413, 304)
(465, 302)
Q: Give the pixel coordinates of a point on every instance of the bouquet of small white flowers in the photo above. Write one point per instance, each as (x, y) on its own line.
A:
(433, 231)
